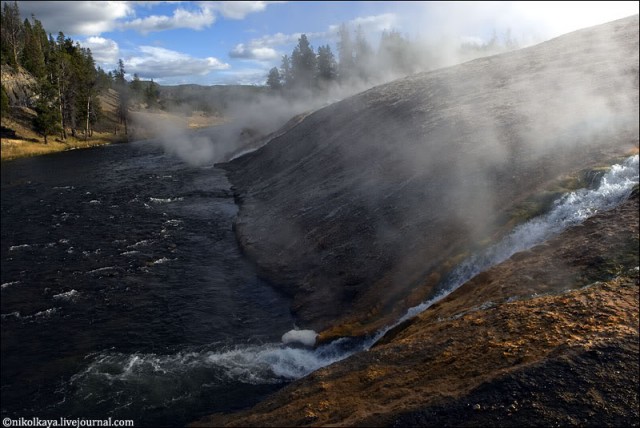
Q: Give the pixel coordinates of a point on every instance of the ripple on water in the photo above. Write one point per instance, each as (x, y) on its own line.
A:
(9, 284)
(69, 296)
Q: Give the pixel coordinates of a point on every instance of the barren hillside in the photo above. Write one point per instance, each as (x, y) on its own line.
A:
(360, 210)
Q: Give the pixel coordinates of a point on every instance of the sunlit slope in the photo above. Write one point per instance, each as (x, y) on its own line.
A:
(362, 208)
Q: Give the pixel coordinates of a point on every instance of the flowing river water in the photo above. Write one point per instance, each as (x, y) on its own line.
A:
(124, 293)
(120, 277)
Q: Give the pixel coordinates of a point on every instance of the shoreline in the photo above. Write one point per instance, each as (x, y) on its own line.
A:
(18, 148)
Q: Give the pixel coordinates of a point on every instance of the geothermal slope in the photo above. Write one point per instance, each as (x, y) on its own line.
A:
(366, 208)
(362, 209)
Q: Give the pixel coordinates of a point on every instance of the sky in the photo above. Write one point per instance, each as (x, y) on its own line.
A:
(237, 42)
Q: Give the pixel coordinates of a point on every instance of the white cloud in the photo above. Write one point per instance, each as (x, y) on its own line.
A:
(104, 51)
(181, 18)
(238, 9)
(259, 53)
(92, 18)
(159, 63)
(88, 18)
(385, 21)
(373, 23)
(262, 48)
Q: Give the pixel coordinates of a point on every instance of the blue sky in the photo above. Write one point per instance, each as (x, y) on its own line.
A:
(219, 42)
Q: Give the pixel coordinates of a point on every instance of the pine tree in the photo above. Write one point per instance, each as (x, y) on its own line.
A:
(120, 85)
(47, 121)
(136, 87)
(11, 31)
(327, 67)
(151, 95)
(363, 56)
(285, 72)
(396, 52)
(303, 63)
(32, 54)
(86, 88)
(345, 52)
(274, 79)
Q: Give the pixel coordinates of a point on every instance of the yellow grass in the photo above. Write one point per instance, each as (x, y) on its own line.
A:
(30, 143)
(20, 148)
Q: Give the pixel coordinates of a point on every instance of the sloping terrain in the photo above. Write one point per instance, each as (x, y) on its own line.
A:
(359, 210)
(508, 348)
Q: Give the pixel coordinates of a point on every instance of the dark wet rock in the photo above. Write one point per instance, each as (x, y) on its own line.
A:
(360, 209)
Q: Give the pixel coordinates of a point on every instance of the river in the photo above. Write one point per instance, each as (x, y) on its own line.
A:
(124, 293)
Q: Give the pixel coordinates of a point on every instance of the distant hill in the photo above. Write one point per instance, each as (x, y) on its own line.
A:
(216, 99)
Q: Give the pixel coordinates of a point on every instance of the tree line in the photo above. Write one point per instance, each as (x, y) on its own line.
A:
(68, 81)
(358, 62)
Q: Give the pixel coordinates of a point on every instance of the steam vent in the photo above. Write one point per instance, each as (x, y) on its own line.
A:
(363, 210)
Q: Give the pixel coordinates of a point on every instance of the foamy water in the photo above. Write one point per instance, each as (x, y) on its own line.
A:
(69, 296)
(570, 210)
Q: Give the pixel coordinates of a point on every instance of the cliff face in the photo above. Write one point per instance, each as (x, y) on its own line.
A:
(361, 209)
(505, 349)
(20, 86)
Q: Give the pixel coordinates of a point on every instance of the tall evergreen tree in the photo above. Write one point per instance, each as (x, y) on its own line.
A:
(285, 72)
(303, 63)
(121, 86)
(151, 95)
(11, 32)
(396, 53)
(363, 57)
(346, 65)
(274, 81)
(32, 54)
(47, 120)
(327, 67)
(136, 87)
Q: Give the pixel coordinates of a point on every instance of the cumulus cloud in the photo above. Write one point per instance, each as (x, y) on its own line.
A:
(204, 16)
(259, 53)
(237, 9)
(88, 18)
(92, 18)
(262, 48)
(385, 21)
(105, 51)
(160, 63)
(372, 23)
(181, 18)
